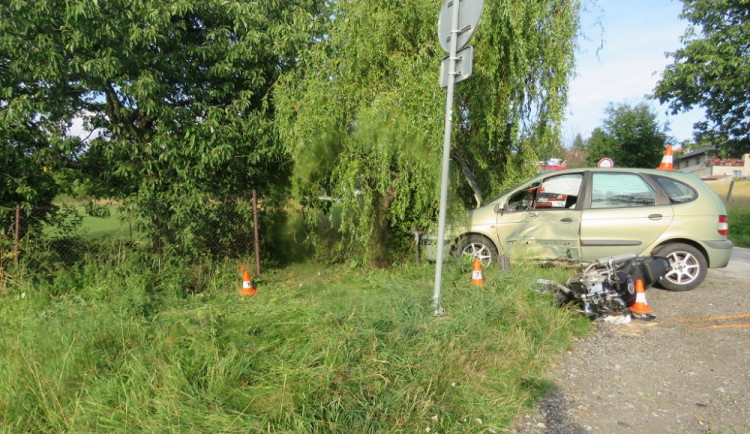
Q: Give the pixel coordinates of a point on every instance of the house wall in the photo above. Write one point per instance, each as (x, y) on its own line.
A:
(697, 165)
(726, 170)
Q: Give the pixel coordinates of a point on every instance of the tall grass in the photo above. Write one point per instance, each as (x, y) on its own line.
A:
(739, 226)
(143, 345)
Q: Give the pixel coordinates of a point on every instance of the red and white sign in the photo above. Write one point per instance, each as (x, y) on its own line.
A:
(606, 162)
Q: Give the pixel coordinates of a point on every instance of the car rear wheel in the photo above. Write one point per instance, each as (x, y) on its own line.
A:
(477, 246)
(689, 267)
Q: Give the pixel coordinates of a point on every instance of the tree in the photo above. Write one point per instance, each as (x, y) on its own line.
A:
(629, 135)
(575, 156)
(178, 95)
(510, 112)
(31, 129)
(25, 179)
(712, 70)
(365, 114)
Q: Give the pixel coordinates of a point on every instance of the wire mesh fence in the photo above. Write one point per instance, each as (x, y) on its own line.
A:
(66, 233)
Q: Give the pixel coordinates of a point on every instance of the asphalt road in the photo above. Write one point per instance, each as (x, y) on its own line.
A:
(739, 263)
(686, 372)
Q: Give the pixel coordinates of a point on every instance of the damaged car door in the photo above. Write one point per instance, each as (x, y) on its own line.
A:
(542, 220)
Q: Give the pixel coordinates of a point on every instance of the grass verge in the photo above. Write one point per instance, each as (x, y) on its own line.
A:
(738, 207)
(143, 345)
(739, 226)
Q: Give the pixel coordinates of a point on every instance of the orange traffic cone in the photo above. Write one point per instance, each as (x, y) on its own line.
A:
(476, 273)
(247, 285)
(640, 306)
(667, 162)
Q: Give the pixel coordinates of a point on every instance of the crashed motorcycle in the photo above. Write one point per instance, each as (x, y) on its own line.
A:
(607, 286)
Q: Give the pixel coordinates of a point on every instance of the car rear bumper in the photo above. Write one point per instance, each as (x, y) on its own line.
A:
(719, 252)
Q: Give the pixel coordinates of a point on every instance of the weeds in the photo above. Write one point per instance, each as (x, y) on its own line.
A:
(112, 349)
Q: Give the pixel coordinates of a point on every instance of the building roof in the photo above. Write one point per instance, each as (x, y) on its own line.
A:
(697, 152)
(729, 162)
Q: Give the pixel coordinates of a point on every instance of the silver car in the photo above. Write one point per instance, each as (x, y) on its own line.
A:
(580, 215)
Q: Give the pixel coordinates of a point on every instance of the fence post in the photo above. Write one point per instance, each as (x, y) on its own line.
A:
(729, 193)
(16, 237)
(255, 228)
(417, 234)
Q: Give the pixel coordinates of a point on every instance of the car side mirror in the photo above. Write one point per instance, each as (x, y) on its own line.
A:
(500, 208)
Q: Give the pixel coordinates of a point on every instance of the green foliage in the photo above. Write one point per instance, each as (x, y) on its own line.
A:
(511, 111)
(181, 100)
(629, 135)
(576, 155)
(95, 210)
(34, 113)
(25, 179)
(739, 218)
(712, 71)
(52, 238)
(365, 114)
(48, 236)
(154, 346)
(361, 117)
(177, 95)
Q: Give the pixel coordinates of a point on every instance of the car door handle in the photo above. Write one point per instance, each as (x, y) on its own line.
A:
(655, 216)
(567, 220)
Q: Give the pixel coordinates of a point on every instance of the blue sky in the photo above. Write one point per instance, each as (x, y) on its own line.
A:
(620, 58)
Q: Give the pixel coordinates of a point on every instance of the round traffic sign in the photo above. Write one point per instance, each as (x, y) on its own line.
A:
(469, 12)
(606, 162)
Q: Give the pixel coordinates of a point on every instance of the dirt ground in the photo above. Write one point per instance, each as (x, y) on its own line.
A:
(688, 371)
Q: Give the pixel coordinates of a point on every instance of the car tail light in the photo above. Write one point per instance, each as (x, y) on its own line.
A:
(723, 225)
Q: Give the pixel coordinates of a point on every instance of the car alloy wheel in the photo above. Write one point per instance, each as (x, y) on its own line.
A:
(688, 267)
(477, 246)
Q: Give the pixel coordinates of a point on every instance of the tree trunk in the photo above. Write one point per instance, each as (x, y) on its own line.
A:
(379, 257)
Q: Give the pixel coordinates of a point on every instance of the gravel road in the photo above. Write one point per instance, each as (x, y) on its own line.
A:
(688, 371)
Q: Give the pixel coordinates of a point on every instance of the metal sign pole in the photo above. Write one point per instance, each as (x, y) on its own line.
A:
(446, 160)
(452, 38)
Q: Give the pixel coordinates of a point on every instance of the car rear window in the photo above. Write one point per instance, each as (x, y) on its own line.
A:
(620, 190)
(676, 191)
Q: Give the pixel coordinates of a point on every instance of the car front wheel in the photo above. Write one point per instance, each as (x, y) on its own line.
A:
(477, 246)
(689, 267)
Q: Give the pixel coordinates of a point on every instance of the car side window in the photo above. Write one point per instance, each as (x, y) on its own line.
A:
(676, 191)
(555, 192)
(620, 190)
(523, 200)
(559, 191)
